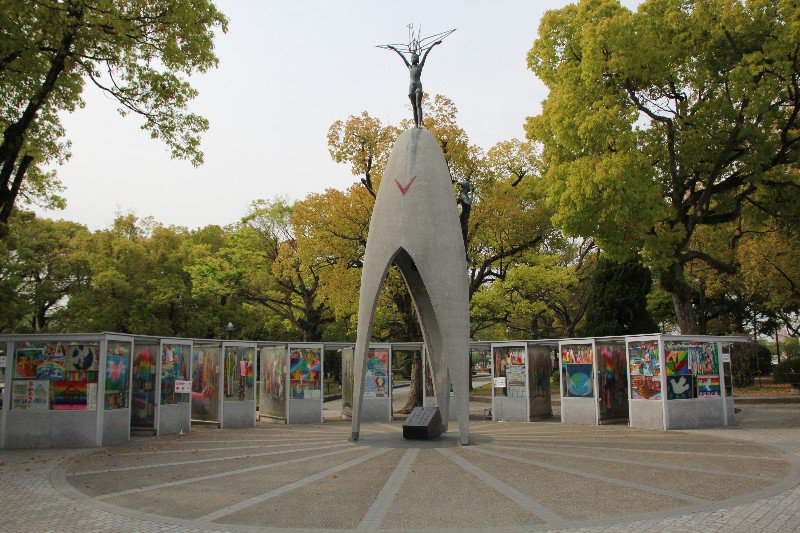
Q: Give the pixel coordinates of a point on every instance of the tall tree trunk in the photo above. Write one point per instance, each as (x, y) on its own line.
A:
(15, 133)
(674, 281)
(415, 388)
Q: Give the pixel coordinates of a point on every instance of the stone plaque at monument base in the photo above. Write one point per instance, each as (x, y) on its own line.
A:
(424, 423)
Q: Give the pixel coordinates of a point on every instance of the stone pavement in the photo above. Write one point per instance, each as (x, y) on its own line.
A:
(513, 477)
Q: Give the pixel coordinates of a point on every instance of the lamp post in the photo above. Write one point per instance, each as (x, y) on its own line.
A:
(229, 327)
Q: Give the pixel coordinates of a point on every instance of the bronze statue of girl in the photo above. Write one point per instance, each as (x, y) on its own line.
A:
(414, 48)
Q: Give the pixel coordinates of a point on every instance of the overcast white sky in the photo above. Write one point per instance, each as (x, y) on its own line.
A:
(287, 71)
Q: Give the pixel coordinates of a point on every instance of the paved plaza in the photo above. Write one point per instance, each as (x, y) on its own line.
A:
(513, 477)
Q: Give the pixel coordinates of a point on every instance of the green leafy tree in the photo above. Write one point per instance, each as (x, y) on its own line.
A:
(617, 303)
(140, 282)
(138, 53)
(668, 120)
(260, 265)
(40, 267)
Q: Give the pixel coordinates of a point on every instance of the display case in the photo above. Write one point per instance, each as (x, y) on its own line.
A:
(304, 377)
(510, 395)
(274, 382)
(377, 403)
(143, 383)
(66, 390)
(206, 382)
(173, 406)
(611, 380)
(541, 358)
(678, 382)
(239, 400)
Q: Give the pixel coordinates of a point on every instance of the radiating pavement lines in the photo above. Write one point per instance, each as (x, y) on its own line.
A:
(196, 461)
(521, 444)
(217, 475)
(225, 448)
(550, 517)
(287, 488)
(597, 477)
(629, 441)
(592, 430)
(649, 464)
(377, 511)
(262, 439)
(591, 433)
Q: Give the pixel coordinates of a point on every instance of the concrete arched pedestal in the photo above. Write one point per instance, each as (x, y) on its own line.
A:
(415, 227)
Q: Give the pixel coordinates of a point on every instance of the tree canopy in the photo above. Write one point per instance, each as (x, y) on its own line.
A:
(659, 123)
(138, 53)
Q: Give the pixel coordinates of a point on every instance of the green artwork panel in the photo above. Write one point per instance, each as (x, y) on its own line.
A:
(118, 364)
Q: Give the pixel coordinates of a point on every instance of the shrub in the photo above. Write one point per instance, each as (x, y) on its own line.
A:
(783, 370)
(747, 359)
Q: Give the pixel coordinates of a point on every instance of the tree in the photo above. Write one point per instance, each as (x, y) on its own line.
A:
(770, 263)
(544, 295)
(364, 143)
(617, 303)
(138, 53)
(261, 265)
(659, 123)
(139, 282)
(42, 265)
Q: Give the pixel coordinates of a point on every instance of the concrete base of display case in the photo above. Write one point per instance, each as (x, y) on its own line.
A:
(697, 413)
(28, 428)
(510, 409)
(175, 418)
(376, 410)
(116, 426)
(579, 411)
(238, 414)
(646, 414)
(304, 411)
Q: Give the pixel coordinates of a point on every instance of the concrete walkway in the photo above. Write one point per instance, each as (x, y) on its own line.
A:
(513, 477)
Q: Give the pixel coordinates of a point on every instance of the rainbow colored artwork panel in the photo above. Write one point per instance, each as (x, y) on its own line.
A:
(708, 386)
(577, 354)
(376, 378)
(70, 395)
(116, 395)
(305, 365)
(677, 357)
(376, 387)
(703, 358)
(643, 358)
(506, 356)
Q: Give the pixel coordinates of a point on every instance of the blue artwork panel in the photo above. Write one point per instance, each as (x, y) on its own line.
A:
(579, 381)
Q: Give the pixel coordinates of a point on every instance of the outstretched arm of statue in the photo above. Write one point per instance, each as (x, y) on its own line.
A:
(390, 47)
(428, 51)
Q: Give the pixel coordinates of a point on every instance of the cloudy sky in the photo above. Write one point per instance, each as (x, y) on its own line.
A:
(287, 71)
